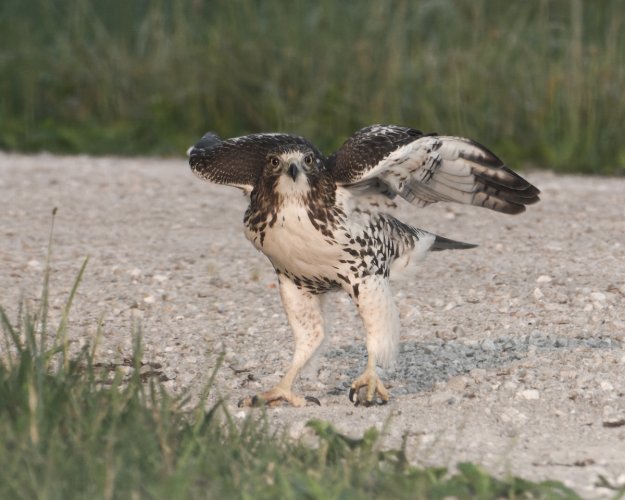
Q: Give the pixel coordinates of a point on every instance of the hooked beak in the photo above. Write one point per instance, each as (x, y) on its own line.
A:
(293, 171)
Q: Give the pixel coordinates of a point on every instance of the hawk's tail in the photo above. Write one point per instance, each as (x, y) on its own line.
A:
(441, 243)
(423, 243)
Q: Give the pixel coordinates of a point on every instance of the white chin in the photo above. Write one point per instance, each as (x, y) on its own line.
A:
(289, 187)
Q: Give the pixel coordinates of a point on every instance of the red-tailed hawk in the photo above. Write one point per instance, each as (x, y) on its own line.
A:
(323, 222)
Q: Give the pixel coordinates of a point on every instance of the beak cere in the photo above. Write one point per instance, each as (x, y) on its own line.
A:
(293, 171)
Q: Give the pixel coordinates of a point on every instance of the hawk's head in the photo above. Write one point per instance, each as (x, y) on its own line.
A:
(294, 169)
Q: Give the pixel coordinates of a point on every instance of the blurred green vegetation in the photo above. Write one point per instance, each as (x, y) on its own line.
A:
(539, 82)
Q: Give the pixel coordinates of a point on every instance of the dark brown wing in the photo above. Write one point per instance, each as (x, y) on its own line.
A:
(238, 161)
(427, 168)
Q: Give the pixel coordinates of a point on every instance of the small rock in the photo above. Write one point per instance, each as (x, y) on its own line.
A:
(561, 342)
(606, 386)
(529, 394)
(513, 416)
(598, 296)
(149, 299)
(447, 334)
(544, 279)
(457, 383)
(536, 338)
(488, 345)
(538, 294)
(296, 429)
(478, 374)
(472, 296)
(509, 385)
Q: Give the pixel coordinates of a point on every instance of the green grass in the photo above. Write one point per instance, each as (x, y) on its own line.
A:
(69, 430)
(539, 82)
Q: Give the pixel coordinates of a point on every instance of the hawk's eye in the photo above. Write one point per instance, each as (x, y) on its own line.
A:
(308, 160)
(274, 161)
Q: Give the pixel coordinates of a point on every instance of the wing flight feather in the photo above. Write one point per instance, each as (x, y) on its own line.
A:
(424, 169)
(239, 161)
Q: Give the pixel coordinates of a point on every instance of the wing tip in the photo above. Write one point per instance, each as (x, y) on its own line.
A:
(207, 142)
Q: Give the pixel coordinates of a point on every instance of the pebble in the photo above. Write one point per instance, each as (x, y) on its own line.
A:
(513, 416)
(438, 303)
(447, 334)
(488, 345)
(457, 383)
(538, 294)
(598, 296)
(509, 385)
(544, 279)
(529, 394)
(606, 386)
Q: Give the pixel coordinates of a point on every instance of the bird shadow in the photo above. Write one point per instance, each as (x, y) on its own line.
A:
(420, 365)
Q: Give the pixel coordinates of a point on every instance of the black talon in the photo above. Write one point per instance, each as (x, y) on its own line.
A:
(312, 399)
(241, 403)
(352, 391)
(256, 401)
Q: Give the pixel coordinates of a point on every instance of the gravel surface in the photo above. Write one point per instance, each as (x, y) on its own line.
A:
(511, 354)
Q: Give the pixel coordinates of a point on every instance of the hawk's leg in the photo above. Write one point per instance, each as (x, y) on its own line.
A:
(378, 312)
(303, 310)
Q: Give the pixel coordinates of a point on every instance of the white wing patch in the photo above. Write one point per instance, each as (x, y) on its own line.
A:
(429, 169)
(441, 168)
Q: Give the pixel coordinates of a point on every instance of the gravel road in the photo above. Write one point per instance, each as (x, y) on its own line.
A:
(511, 354)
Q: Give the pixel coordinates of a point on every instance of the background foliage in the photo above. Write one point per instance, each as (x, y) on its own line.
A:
(540, 82)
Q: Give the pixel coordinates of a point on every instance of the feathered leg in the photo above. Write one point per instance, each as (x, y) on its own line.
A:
(303, 310)
(378, 312)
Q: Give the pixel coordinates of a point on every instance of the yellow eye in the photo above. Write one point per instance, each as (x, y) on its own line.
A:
(274, 161)
(308, 160)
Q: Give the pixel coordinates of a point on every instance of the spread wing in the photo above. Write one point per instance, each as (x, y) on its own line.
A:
(239, 161)
(424, 169)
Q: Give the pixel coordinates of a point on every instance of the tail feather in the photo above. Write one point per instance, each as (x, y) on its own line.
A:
(441, 243)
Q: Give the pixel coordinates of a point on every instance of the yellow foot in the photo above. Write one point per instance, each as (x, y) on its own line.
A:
(367, 389)
(276, 396)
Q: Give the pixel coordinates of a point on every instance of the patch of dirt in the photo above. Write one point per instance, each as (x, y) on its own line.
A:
(511, 354)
